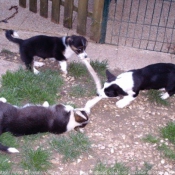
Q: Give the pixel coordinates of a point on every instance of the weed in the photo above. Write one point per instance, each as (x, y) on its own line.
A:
(151, 139)
(168, 152)
(154, 96)
(117, 168)
(5, 51)
(36, 160)
(168, 132)
(120, 169)
(77, 69)
(71, 147)
(22, 86)
(144, 171)
(100, 67)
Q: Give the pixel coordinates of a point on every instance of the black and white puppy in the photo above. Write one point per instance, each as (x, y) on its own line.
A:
(128, 84)
(32, 119)
(60, 48)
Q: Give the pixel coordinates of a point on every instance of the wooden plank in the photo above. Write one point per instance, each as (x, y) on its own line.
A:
(82, 16)
(33, 6)
(56, 11)
(97, 20)
(44, 8)
(68, 13)
(22, 3)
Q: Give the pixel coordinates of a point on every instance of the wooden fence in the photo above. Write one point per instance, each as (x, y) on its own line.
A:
(69, 7)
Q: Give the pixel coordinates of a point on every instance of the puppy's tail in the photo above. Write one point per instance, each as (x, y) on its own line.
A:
(8, 149)
(13, 38)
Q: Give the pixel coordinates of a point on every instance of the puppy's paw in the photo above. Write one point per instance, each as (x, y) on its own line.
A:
(164, 96)
(3, 100)
(35, 71)
(12, 150)
(46, 104)
(122, 103)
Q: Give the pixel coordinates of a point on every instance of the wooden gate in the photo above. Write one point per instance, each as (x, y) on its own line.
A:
(69, 8)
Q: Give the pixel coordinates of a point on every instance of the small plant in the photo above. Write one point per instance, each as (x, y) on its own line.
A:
(36, 160)
(151, 139)
(154, 96)
(22, 86)
(71, 147)
(117, 168)
(100, 67)
(5, 164)
(168, 152)
(144, 171)
(77, 69)
(5, 51)
(8, 139)
(168, 132)
(120, 169)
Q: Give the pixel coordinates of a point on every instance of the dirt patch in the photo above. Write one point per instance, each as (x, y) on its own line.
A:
(116, 134)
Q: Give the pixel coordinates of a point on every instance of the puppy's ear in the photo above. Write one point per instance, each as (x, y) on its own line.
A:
(69, 40)
(110, 77)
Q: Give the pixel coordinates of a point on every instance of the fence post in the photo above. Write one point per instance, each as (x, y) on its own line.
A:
(68, 11)
(22, 3)
(55, 11)
(82, 16)
(104, 21)
(97, 20)
(33, 6)
(44, 8)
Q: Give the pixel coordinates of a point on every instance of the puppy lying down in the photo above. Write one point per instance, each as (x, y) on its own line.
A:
(32, 119)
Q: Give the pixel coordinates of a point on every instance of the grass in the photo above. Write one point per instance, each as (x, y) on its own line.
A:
(120, 169)
(78, 91)
(21, 86)
(5, 164)
(78, 69)
(154, 96)
(151, 139)
(168, 134)
(36, 160)
(5, 51)
(167, 151)
(117, 168)
(71, 147)
(8, 139)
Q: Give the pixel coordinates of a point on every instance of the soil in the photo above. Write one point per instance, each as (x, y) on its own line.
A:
(116, 134)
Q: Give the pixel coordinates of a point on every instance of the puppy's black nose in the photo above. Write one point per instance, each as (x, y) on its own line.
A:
(85, 56)
(97, 94)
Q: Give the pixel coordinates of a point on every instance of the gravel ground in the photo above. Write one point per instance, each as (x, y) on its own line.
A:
(116, 134)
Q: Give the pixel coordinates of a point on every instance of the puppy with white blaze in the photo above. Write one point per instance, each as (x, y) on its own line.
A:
(128, 84)
(60, 48)
(33, 119)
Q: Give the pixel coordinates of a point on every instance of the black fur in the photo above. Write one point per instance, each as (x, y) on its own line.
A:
(34, 119)
(128, 84)
(46, 47)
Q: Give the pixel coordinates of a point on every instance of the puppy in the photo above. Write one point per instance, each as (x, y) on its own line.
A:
(60, 48)
(32, 119)
(128, 84)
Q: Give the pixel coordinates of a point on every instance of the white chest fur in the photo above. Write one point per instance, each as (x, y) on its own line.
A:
(68, 52)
